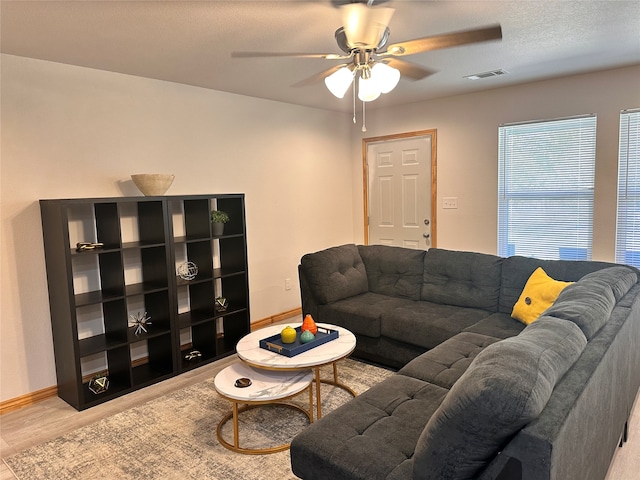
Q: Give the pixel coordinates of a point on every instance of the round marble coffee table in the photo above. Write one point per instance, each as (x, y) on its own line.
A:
(267, 387)
(249, 351)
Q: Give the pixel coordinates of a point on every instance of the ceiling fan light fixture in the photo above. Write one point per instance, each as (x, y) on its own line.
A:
(365, 26)
(339, 81)
(368, 89)
(385, 76)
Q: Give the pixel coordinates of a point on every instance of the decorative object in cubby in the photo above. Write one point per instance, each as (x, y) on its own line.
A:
(187, 271)
(153, 184)
(221, 304)
(85, 246)
(139, 321)
(218, 219)
(99, 383)
(193, 355)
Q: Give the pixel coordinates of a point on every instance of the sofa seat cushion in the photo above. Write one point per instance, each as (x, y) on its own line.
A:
(427, 324)
(393, 271)
(465, 279)
(507, 386)
(499, 325)
(361, 313)
(445, 364)
(371, 436)
(589, 302)
(335, 273)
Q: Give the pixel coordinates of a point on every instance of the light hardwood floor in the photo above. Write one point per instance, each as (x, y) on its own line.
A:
(51, 418)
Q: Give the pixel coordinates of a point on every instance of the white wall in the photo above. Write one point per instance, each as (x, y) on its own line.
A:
(75, 132)
(467, 136)
(70, 132)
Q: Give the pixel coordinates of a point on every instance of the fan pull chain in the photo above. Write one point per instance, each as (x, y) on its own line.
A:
(364, 119)
(354, 102)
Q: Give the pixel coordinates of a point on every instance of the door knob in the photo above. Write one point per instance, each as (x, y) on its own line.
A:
(426, 235)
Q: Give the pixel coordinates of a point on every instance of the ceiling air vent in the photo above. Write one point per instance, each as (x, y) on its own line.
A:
(492, 73)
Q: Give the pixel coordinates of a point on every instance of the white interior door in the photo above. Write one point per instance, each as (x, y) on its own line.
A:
(400, 191)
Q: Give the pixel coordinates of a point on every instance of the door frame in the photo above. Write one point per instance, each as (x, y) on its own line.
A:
(365, 176)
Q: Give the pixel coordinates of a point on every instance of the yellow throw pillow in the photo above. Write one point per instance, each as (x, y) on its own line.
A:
(539, 294)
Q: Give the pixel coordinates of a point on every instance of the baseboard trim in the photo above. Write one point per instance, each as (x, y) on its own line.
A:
(265, 322)
(28, 399)
(39, 395)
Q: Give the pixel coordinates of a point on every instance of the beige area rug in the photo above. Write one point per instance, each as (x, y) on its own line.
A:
(174, 437)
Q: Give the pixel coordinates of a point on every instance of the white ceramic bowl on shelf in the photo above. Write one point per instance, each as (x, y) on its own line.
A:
(153, 184)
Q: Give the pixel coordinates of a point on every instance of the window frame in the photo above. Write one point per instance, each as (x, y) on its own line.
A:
(628, 192)
(517, 149)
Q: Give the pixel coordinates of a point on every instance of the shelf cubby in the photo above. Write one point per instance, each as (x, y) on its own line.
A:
(108, 224)
(231, 331)
(157, 362)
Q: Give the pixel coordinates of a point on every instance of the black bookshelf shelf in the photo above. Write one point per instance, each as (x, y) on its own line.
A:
(94, 293)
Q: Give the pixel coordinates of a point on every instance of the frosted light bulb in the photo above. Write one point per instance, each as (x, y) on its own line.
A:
(368, 89)
(339, 81)
(385, 76)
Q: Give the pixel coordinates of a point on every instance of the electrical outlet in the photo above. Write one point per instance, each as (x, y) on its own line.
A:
(287, 284)
(449, 202)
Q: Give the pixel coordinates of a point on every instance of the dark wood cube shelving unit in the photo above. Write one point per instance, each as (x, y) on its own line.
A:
(93, 293)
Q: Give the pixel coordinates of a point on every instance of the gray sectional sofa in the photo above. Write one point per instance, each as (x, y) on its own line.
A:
(478, 394)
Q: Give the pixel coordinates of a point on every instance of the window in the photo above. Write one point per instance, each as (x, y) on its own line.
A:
(628, 218)
(546, 175)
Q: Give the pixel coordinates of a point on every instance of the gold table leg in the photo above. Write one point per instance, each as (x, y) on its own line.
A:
(318, 400)
(233, 415)
(333, 382)
(236, 434)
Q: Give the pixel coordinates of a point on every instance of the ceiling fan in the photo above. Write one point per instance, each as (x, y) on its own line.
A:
(364, 40)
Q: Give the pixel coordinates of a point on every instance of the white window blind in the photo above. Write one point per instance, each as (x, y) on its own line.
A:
(546, 175)
(628, 218)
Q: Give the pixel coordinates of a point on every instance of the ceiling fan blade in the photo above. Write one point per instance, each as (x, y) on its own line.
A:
(408, 69)
(445, 41)
(364, 26)
(326, 56)
(318, 77)
(340, 3)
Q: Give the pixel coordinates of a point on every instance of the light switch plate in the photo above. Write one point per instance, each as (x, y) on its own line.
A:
(449, 202)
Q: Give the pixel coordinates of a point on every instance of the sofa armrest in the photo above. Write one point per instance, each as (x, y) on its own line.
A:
(503, 467)
(335, 273)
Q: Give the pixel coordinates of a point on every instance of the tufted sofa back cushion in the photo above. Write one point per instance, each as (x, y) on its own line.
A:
(335, 273)
(393, 271)
(506, 386)
(589, 302)
(464, 279)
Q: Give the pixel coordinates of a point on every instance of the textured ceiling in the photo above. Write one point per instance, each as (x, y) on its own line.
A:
(191, 42)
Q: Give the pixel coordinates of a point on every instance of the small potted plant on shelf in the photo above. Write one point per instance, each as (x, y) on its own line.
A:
(218, 219)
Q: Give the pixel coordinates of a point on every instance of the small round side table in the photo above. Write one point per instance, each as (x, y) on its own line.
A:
(267, 387)
(250, 352)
